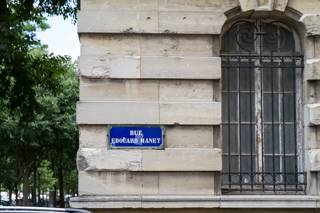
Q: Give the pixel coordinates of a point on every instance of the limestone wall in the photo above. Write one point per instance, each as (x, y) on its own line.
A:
(156, 62)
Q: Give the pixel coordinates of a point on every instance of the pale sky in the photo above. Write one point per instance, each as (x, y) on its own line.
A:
(61, 38)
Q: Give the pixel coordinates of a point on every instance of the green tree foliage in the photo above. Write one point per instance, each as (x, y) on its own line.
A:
(53, 129)
(20, 70)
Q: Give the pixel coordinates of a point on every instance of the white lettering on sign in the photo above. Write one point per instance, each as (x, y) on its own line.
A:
(135, 132)
(139, 141)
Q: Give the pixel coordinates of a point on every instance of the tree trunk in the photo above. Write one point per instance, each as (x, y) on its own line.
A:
(25, 188)
(16, 190)
(61, 202)
(34, 191)
(55, 195)
(10, 195)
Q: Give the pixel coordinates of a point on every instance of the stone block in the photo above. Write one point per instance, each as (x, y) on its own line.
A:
(177, 45)
(181, 160)
(268, 201)
(118, 90)
(190, 113)
(216, 91)
(100, 160)
(309, 92)
(109, 45)
(182, 202)
(181, 67)
(186, 91)
(117, 113)
(311, 114)
(197, 6)
(100, 203)
(311, 23)
(189, 137)
(312, 71)
(263, 5)
(314, 158)
(93, 136)
(120, 5)
(186, 183)
(312, 137)
(305, 7)
(118, 183)
(117, 22)
(191, 22)
(97, 66)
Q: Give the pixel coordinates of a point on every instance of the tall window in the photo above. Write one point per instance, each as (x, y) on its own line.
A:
(261, 74)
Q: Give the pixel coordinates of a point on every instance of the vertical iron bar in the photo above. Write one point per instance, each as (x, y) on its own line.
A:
(239, 115)
(295, 123)
(272, 119)
(251, 178)
(229, 141)
(283, 128)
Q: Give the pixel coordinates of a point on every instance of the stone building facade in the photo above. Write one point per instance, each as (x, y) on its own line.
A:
(169, 63)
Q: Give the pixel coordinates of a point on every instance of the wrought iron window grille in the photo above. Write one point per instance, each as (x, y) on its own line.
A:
(261, 68)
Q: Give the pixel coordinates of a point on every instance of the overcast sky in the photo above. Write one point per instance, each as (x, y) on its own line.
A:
(61, 38)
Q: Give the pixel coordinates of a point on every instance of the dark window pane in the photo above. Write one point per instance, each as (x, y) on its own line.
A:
(288, 44)
(289, 140)
(268, 110)
(233, 79)
(245, 107)
(246, 141)
(233, 102)
(248, 163)
(270, 76)
(271, 39)
(288, 78)
(246, 37)
(289, 112)
(233, 139)
(245, 78)
(272, 164)
(271, 141)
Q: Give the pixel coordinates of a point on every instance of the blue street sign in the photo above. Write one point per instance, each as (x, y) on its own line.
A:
(136, 137)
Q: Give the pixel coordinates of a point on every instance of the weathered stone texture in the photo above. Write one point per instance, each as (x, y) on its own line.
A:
(315, 48)
(104, 44)
(120, 5)
(99, 160)
(98, 66)
(186, 91)
(263, 5)
(312, 114)
(197, 6)
(181, 160)
(190, 113)
(311, 22)
(118, 183)
(305, 7)
(314, 157)
(177, 45)
(189, 137)
(93, 136)
(186, 183)
(312, 137)
(118, 90)
(181, 67)
(313, 69)
(268, 201)
(117, 113)
(191, 22)
(117, 22)
(311, 91)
